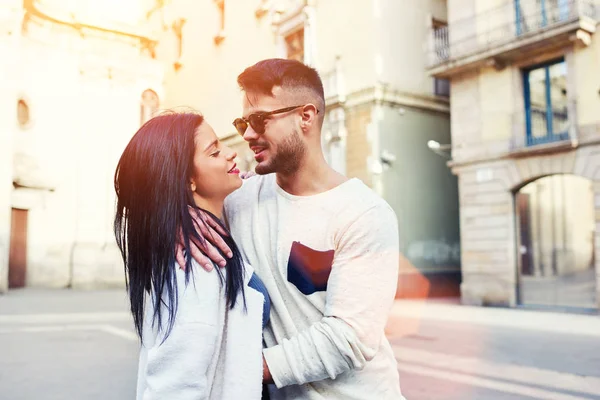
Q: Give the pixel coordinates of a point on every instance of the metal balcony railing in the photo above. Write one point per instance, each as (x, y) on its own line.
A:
(540, 125)
(503, 24)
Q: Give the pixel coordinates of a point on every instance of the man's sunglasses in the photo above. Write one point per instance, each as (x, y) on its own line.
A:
(257, 120)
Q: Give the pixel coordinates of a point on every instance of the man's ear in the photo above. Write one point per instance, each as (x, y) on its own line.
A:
(309, 115)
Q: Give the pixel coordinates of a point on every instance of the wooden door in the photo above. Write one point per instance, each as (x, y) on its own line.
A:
(525, 248)
(17, 264)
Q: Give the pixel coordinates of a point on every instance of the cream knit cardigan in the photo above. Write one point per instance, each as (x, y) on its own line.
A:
(212, 352)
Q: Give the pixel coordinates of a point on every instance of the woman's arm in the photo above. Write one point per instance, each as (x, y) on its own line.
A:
(177, 368)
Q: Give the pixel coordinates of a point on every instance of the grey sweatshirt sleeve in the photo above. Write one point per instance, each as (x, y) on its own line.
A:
(360, 293)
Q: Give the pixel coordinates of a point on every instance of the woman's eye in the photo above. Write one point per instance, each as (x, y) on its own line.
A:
(216, 153)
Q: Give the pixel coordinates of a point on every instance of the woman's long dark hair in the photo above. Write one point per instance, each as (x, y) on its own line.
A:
(152, 182)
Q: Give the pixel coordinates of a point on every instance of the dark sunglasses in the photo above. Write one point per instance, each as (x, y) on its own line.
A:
(257, 120)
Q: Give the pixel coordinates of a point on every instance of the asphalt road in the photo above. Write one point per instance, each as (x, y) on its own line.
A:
(80, 345)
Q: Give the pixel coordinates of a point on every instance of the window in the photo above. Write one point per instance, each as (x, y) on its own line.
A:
(441, 87)
(294, 45)
(149, 105)
(441, 43)
(546, 104)
(23, 117)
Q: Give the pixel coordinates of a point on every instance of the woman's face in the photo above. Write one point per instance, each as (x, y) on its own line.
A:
(215, 173)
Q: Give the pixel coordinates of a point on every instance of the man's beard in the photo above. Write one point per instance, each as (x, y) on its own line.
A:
(287, 159)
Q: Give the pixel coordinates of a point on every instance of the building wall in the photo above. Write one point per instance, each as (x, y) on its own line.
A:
(206, 80)
(587, 84)
(401, 63)
(355, 44)
(487, 117)
(84, 94)
(9, 25)
(359, 121)
(371, 68)
(420, 188)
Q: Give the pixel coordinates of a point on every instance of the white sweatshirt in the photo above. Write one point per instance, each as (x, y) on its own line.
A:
(330, 264)
(212, 352)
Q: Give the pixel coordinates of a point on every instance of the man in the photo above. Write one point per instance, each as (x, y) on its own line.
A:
(325, 246)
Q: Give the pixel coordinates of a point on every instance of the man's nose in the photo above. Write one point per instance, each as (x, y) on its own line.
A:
(250, 134)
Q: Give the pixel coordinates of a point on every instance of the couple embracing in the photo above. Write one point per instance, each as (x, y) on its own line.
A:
(276, 286)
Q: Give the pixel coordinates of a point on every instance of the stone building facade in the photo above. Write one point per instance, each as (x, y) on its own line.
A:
(77, 79)
(82, 76)
(525, 147)
(382, 107)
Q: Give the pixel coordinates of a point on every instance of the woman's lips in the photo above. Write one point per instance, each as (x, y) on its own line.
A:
(234, 170)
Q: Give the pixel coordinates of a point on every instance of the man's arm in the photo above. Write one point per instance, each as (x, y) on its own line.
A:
(177, 367)
(204, 252)
(360, 292)
(207, 251)
(267, 378)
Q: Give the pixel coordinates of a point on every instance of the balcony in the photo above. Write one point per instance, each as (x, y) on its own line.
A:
(542, 130)
(516, 30)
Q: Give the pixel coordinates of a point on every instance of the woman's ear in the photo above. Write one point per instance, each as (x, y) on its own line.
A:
(193, 186)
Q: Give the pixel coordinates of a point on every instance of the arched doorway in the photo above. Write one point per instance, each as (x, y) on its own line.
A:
(555, 218)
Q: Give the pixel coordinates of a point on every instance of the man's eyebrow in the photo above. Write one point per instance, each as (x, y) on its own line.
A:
(214, 143)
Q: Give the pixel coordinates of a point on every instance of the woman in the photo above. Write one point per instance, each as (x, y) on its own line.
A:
(201, 331)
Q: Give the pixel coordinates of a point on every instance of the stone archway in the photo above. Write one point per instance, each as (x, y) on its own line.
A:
(584, 162)
(489, 237)
(555, 242)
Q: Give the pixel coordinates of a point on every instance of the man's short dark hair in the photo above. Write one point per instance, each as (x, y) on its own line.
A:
(289, 74)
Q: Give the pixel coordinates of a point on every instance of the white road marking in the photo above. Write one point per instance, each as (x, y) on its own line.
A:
(488, 383)
(460, 367)
(113, 330)
(122, 333)
(64, 318)
(50, 328)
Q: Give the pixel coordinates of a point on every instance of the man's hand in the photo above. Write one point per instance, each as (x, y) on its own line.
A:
(267, 378)
(205, 251)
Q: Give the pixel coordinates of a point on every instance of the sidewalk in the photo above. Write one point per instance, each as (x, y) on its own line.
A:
(542, 321)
